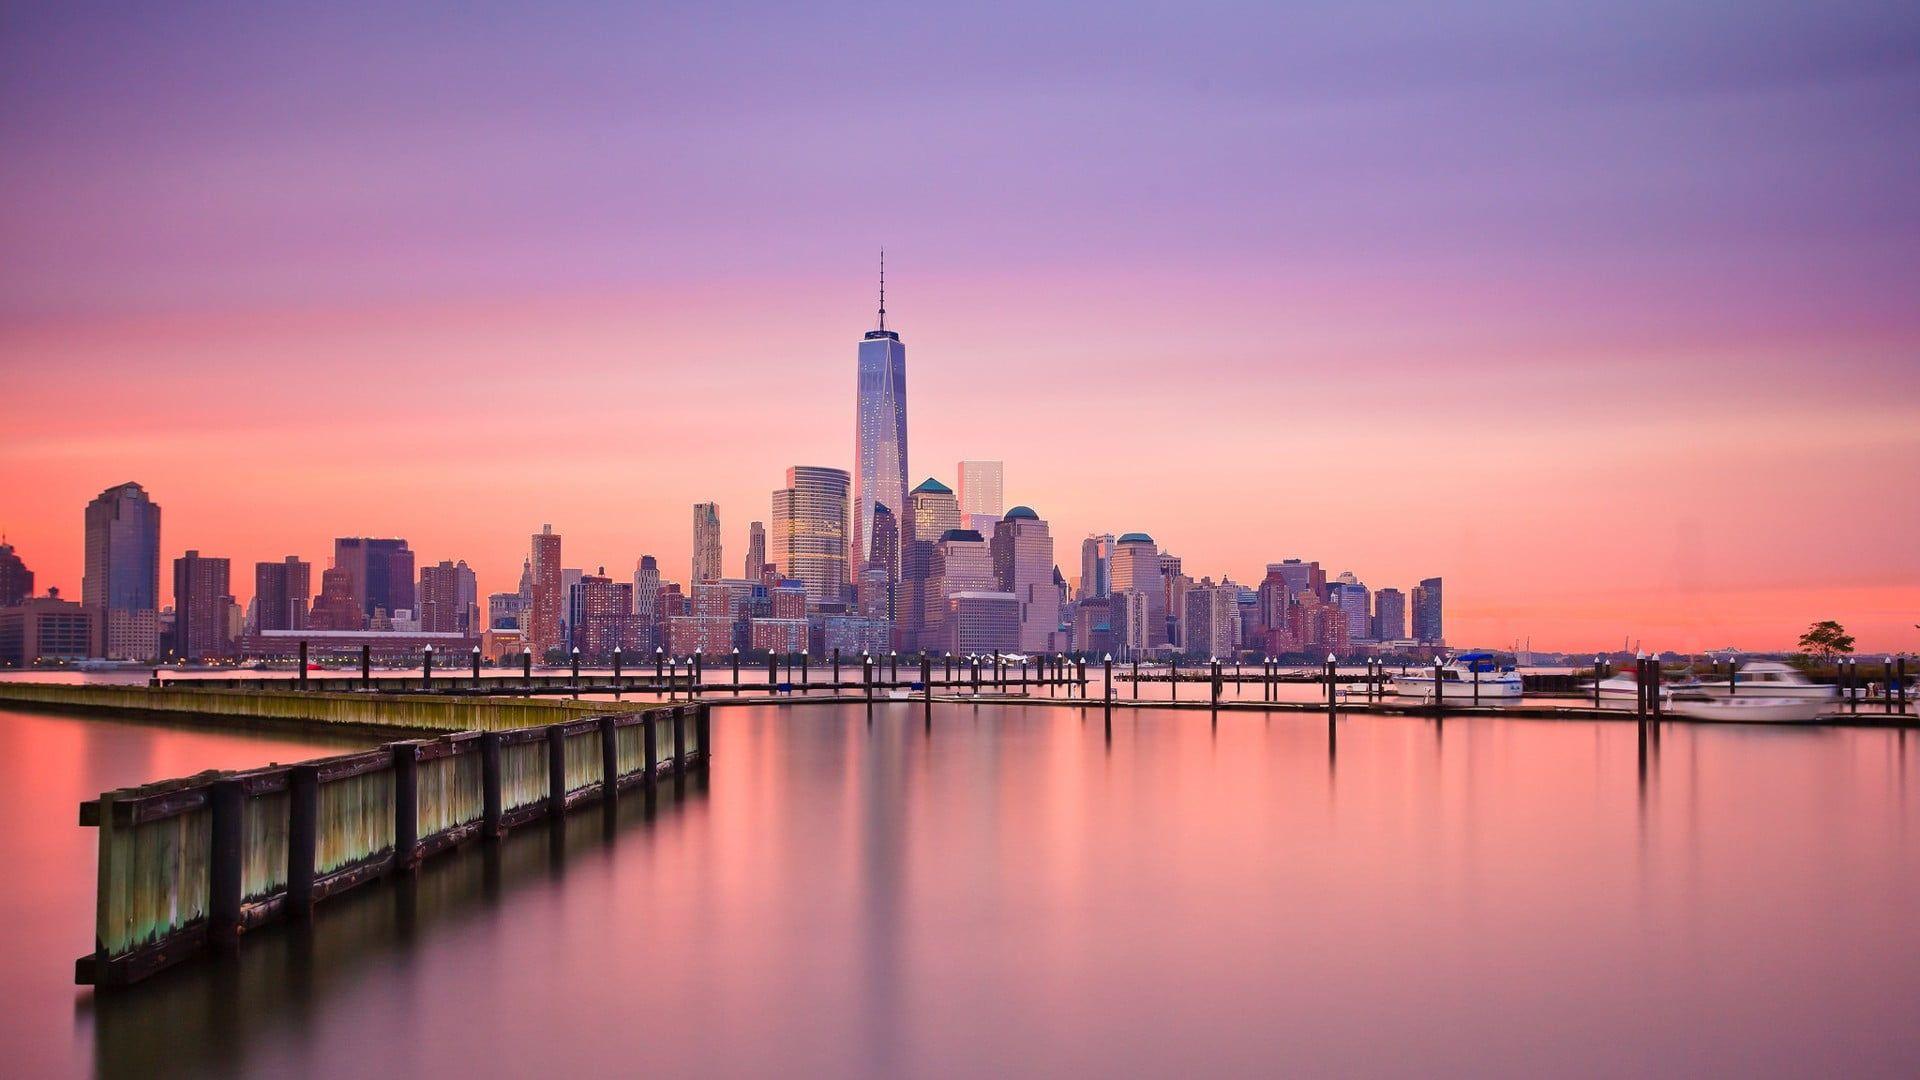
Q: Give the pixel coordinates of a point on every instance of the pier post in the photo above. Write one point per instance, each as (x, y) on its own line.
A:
(426, 668)
(926, 683)
(679, 739)
(366, 667)
(773, 671)
(1640, 687)
(806, 673)
(1886, 686)
(893, 666)
(866, 662)
(836, 671)
(1173, 680)
(736, 670)
(406, 804)
(226, 802)
(303, 665)
(659, 667)
(556, 772)
(1597, 676)
(1474, 667)
(1733, 678)
(1108, 662)
(696, 676)
(303, 834)
(1136, 678)
(1900, 684)
(490, 784)
(1215, 681)
(1439, 687)
(610, 759)
(650, 738)
(575, 657)
(1330, 691)
(1653, 685)
(616, 668)
(526, 666)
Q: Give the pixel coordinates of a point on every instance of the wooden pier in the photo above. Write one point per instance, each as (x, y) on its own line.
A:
(199, 860)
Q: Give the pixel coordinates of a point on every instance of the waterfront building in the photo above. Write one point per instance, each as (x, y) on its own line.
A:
(604, 619)
(1136, 568)
(981, 495)
(756, 566)
(202, 607)
(1096, 556)
(122, 577)
(381, 570)
(545, 611)
(403, 647)
(282, 592)
(16, 581)
(1389, 615)
(810, 531)
(880, 430)
(786, 637)
(1091, 630)
(707, 628)
(977, 623)
(706, 543)
(40, 629)
(1427, 628)
(1022, 550)
(853, 635)
(1210, 625)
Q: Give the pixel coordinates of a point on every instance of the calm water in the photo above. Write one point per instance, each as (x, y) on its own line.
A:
(1016, 893)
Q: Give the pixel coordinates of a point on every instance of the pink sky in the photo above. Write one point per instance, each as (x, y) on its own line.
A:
(1612, 326)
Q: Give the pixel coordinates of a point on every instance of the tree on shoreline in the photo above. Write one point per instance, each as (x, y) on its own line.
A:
(1825, 640)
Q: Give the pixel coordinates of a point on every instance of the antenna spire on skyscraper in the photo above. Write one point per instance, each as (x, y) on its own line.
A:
(883, 288)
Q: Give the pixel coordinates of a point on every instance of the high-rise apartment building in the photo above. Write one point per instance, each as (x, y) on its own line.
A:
(202, 607)
(1427, 627)
(1210, 627)
(982, 498)
(447, 598)
(646, 601)
(1389, 615)
(16, 581)
(546, 612)
(756, 566)
(122, 579)
(960, 562)
(282, 592)
(706, 543)
(810, 531)
(1022, 548)
(603, 618)
(381, 570)
(880, 433)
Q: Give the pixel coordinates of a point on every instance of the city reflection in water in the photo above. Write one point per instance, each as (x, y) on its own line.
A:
(1047, 890)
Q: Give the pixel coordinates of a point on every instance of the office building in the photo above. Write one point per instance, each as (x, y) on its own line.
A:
(446, 598)
(880, 431)
(1210, 627)
(1136, 568)
(981, 497)
(1350, 595)
(16, 581)
(603, 618)
(756, 567)
(122, 578)
(1022, 549)
(1389, 615)
(381, 571)
(47, 629)
(810, 531)
(1427, 628)
(1096, 556)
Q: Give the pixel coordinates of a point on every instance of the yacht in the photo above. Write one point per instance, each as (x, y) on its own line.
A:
(1747, 708)
(1624, 687)
(1459, 676)
(1767, 678)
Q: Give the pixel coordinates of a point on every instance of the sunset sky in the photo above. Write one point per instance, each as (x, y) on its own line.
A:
(1611, 319)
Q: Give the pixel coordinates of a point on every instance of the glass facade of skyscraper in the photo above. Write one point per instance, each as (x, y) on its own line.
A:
(810, 531)
(880, 450)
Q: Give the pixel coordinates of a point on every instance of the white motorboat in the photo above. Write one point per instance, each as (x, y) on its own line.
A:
(1768, 679)
(1623, 687)
(1747, 708)
(1467, 677)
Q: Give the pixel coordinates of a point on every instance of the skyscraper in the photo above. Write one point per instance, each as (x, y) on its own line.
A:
(756, 551)
(16, 581)
(981, 494)
(281, 593)
(381, 570)
(880, 437)
(447, 598)
(646, 600)
(1389, 615)
(544, 613)
(1136, 568)
(1022, 549)
(1351, 595)
(122, 578)
(706, 543)
(335, 608)
(202, 607)
(1427, 628)
(931, 512)
(1096, 559)
(810, 531)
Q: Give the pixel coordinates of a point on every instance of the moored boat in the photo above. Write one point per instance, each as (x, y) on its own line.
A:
(1768, 679)
(1465, 678)
(1748, 709)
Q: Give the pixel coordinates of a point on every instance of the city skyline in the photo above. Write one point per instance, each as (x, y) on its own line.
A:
(1246, 316)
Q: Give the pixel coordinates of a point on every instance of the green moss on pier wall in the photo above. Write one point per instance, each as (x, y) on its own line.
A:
(412, 712)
